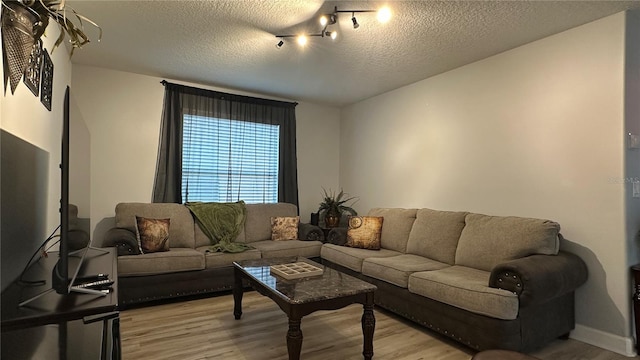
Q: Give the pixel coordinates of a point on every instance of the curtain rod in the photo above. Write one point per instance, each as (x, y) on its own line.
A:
(165, 83)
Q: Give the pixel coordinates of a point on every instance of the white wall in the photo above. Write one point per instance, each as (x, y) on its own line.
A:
(537, 131)
(123, 112)
(24, 116)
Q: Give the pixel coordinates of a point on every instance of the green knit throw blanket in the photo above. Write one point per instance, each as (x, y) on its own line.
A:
(222, 223)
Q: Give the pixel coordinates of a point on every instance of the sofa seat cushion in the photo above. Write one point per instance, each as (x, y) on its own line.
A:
(174, 260)
(487, 240)
(352, 258)
(435, 234)
(396, 269)
(216, 259)
(271, 249)
(396, 226)
(467, 289)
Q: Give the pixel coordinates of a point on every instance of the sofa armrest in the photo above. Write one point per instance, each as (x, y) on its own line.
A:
(310, 232)
(124, 240)
(337, 236)
(539, 278)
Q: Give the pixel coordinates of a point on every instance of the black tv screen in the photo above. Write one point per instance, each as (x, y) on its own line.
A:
(60, 280)
(74, 182)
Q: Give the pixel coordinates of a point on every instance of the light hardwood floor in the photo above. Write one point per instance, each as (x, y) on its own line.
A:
(206, 329)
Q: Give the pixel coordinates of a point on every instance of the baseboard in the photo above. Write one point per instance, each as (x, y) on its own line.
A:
(618, 344)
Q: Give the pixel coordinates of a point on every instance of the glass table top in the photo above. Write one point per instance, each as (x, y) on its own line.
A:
(331, 284)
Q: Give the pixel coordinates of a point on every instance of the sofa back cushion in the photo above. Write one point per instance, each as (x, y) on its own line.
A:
(396, 227)
(489, 240)
(435, 234)
(181, 222)
(258, 224)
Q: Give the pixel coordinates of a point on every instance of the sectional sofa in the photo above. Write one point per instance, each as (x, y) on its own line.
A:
(488, 282)
(188, 268)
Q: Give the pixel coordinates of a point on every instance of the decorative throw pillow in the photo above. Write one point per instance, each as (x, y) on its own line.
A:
(152, 234)
(364, 232)
(284, 228)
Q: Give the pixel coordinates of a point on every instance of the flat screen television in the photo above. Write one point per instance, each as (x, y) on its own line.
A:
(61, 281)
(70, 258)
(74, 164)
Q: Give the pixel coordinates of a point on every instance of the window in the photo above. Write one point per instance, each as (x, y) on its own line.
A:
(230, 146)
(229, 160)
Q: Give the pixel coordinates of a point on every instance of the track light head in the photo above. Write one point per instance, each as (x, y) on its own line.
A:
(302, 40)
(384, 15)
(355, 22)
(332, 34)
(279, 44)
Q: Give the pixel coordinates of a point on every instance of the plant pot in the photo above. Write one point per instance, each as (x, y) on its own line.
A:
(332, 220)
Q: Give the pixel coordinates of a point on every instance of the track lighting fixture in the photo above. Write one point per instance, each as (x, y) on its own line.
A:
(355, 22)
(383, 15)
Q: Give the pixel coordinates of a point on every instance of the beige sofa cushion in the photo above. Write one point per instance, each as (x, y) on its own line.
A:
(174, 260)
(396, 269)
(352, 258)
(271, 249)
(396, 227)
(489, 240)
(435, 234)
(220, 259)
(467, 289)
(181, 228)
(258, 224)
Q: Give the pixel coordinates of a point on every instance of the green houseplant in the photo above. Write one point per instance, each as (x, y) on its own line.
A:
(333, 206)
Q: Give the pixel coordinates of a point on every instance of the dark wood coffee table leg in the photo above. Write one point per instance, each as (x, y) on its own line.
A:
(237, 294)
(368, 326)
(294, 339)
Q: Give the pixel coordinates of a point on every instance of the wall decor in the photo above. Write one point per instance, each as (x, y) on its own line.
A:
(46, 86)
(32, 73)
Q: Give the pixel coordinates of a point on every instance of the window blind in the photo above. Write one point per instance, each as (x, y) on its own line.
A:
(227, 160)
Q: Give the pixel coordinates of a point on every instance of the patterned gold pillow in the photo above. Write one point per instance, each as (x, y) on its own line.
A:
(152, 234)
(364, 232)
(284, 228)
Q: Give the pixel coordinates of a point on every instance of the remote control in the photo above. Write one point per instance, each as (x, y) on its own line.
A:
(91, 278)
(96, 284)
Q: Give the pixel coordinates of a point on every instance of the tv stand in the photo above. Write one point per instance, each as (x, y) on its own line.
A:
(74, 288)
(75, 326)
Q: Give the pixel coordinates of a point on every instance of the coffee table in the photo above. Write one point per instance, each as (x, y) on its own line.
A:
(299, 297)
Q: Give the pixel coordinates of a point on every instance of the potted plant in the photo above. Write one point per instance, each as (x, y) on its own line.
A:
(332, 207)
(24, 22)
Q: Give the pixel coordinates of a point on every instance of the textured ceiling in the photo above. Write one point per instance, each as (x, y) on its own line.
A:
(231, 44)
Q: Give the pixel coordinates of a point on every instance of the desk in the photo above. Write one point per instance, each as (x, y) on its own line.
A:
(66, 322)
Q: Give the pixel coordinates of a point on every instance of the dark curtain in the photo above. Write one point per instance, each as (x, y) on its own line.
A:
(180, 100)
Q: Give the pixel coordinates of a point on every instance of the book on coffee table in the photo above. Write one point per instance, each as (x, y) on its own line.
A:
(295, 270)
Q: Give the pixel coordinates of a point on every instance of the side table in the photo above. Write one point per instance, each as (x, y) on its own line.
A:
(635, 270)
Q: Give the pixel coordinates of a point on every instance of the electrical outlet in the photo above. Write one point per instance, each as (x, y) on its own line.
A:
(636, 189)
